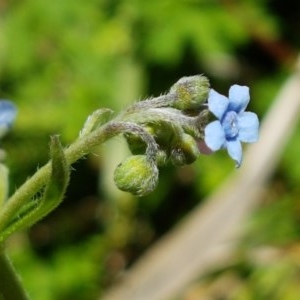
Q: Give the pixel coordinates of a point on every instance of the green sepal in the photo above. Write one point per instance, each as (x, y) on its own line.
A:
(37, 208)
(96, 119)
(3, 183)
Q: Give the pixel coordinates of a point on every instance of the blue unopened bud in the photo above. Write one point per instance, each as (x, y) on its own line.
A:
(190, 92)
(8, 113)
(137, 175)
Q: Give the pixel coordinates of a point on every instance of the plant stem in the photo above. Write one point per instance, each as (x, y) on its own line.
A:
(10, 284)
(75, 151)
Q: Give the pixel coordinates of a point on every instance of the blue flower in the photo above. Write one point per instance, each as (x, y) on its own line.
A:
(8, 113)
(234, 125)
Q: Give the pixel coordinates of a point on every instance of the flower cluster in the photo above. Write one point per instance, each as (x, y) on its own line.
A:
(234, 124)
(171, 127)
(161, 130)
(164, 130)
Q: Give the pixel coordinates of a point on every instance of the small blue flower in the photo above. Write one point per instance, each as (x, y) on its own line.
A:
(234, 125)
(8, 113)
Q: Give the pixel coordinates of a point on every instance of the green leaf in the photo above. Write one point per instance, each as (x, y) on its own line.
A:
(53, 194)
(96, 119)
(60, 175)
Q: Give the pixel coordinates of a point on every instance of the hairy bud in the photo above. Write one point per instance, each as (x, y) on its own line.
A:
(190, 92)
(137, 175)
(186, 152)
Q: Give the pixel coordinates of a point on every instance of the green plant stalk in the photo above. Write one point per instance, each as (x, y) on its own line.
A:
(77, 150)
(91, 136)
(10, 284)
(124, 122)
(74, 152)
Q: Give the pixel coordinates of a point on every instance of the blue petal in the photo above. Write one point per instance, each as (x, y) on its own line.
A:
(7, 115)
(235, 151)
(248, 127)
(239, 98)
(217, 103)
(214, 135)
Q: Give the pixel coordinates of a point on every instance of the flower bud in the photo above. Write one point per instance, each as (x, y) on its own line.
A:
(161, 157)
(190, 92)
(186, 151)
(137, 175)
(135, 143)
(8, 113)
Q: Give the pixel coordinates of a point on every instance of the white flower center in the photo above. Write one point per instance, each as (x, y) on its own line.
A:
(230, 124)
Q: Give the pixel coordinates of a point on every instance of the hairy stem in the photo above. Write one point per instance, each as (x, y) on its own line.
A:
(75, 151)
(10, 285)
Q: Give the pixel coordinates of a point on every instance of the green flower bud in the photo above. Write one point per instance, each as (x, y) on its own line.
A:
(135, 143)
(161, 158)
(137, 175)
(190, 92)
(186, 152)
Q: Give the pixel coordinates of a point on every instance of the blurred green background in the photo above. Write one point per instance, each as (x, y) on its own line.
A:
(61, 60)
